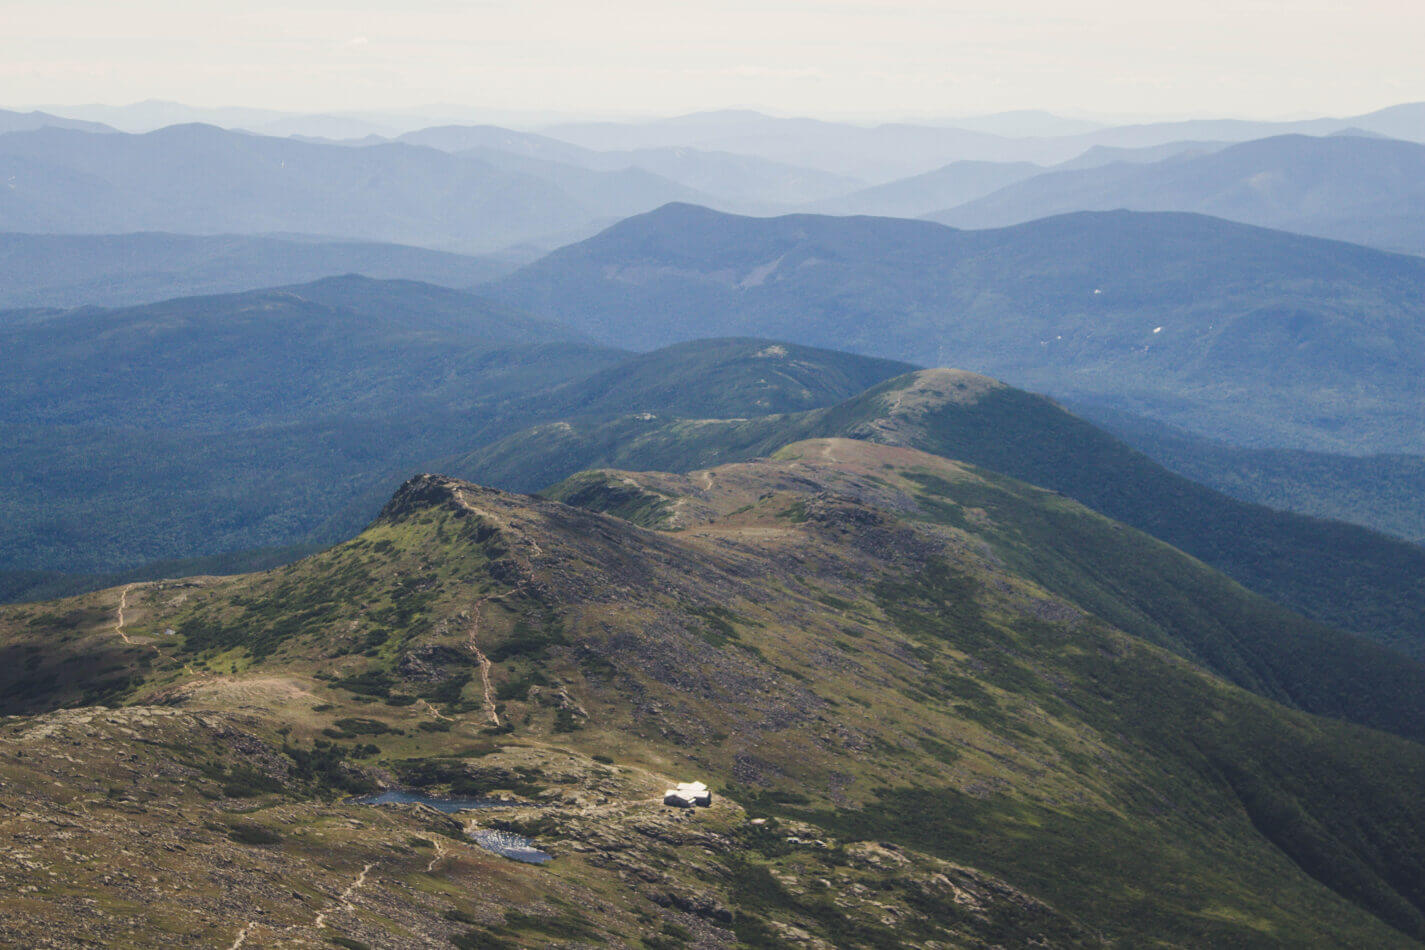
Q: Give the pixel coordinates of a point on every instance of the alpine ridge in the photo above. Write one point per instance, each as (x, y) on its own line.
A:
(845, 642)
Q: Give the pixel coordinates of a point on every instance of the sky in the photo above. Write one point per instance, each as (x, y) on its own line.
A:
(832, 58)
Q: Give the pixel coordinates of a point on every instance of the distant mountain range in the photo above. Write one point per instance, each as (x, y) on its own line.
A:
(1361, 189)
(876, 154)
(962, 182)
(895, 150)
(1251, 335)
(953, 184)
(838, 150)
(737, 182)
(204, 180)
(30, 121)
(152, 114)
(1100, 155)
(252, 358)
(69, 270)
(1347, 179)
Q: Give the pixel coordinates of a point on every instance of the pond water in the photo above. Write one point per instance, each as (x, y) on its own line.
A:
(446, 803)
(504, 843)
(509, 845)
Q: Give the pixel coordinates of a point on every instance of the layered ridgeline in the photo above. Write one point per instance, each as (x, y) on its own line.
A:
(198, 179)
(205, 425)
(908, 738)
(11, 121)
(110, 270)
(950, 186)
(894, 150)
(1254, 336)
(1337, 573)
(208, 445)
(1367, 190)
(705, 379)
(962, 182)
(214, 426)
(735, 180)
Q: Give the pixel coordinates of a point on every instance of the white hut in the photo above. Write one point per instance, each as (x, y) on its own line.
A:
(687, 795)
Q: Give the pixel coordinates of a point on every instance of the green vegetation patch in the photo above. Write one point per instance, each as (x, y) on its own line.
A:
(719, 630)
(358, 726)
(529, 639)
(242, 781)
(371, 682)
(596, 491)
(322, 767)
(253, 834)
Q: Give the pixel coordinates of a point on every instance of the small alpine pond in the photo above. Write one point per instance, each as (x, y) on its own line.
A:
(450, 804)
(507, 844)
(504, 843)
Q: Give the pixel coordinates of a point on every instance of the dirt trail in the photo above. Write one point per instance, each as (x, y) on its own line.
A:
(345, 899)
(119, 629)
(343, 903)
(485, 664)
(526, 568)
(242, 935)
(433, 711)
(439, 853)
(500, 523)
(119, 623)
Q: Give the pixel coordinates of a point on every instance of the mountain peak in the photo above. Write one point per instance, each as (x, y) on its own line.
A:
(421, 493)
(906, 401)
(941, 385)
(430, 492)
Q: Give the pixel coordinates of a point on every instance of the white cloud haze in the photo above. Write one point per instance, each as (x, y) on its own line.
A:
(824, 57)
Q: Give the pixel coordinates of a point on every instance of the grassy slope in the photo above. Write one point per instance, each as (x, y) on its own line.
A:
(1154, 592)
(1333, 572)
(1116, 574)
(1337, 573)
(848, 636)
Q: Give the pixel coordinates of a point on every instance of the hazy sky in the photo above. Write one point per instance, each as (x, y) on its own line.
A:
(822, 57)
